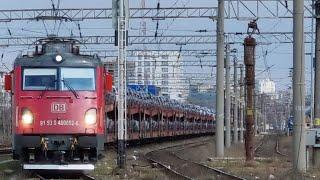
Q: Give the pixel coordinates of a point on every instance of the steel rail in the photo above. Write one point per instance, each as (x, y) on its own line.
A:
(55, 176)
(220, 172)
(182, 147)
(6, 150)
(277, 149)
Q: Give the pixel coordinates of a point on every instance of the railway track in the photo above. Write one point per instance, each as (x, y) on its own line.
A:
(187, 169)
(5, 150)
(269, 146)
(87, 177)
(277, 149)
(76, 176)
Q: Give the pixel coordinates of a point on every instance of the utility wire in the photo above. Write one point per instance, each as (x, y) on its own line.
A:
(45, 27)
(3, 64)
(9, 31)
(157, 26)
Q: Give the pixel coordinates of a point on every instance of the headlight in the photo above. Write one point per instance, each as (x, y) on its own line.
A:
(27, 117)
(90, 117)
(58, 58)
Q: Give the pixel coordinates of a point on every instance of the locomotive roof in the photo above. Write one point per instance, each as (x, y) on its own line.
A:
(48, 60)
(53, 46)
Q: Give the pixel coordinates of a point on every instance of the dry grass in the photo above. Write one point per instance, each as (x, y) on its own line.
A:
(259, 169)
(264, 168)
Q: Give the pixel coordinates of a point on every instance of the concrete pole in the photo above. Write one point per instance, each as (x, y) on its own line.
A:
(260, 118)
(264, 113)
(228, 102)
(289, 115)
(241, 121)
(299, 146)
(242, 102)
(316, 151)
(236, 101)
(312, 66)
(121, 86)
(317, 69)
(256, 120)
(220, 81)
(256, 115)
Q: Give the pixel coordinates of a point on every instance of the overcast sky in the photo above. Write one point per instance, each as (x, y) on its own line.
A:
(279, 55)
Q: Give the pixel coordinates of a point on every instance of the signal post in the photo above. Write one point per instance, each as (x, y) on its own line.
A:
(120, 12)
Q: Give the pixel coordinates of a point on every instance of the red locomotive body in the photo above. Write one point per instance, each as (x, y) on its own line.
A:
(58, 108)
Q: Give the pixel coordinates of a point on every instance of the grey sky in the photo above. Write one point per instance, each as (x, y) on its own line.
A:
(279, 55)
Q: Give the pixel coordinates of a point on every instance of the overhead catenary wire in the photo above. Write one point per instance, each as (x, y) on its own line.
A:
(83, 27)
(157, 26)
(9, 31)
(54, 14)
(3, 64)
(45, 27)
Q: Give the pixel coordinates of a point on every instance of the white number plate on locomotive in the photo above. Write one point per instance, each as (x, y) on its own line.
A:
(59, 123)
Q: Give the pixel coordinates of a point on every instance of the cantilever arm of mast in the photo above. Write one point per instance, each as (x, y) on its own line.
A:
(105, 13)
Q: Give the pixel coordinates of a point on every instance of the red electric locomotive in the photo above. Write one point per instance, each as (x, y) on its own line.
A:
(58, 107)
(64, 110)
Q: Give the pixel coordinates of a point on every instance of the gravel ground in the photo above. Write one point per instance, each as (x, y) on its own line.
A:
(138, 167)
(186, 168)
(172, 158)
(269, 166)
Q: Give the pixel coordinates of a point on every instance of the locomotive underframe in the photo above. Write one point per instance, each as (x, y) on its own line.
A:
(57, 149)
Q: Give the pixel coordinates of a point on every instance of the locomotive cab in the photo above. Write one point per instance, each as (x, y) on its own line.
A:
(58, 107)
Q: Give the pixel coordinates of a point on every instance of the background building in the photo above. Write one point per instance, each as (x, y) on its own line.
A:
(201, 88)
(163, 72)
(111, 65)
(266, 86)
(202, 94)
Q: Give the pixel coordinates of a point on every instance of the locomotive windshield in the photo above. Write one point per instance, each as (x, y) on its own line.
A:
(78, 79)
(39, 79)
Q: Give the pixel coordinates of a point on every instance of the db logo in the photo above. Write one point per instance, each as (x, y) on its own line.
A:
(58, 107)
